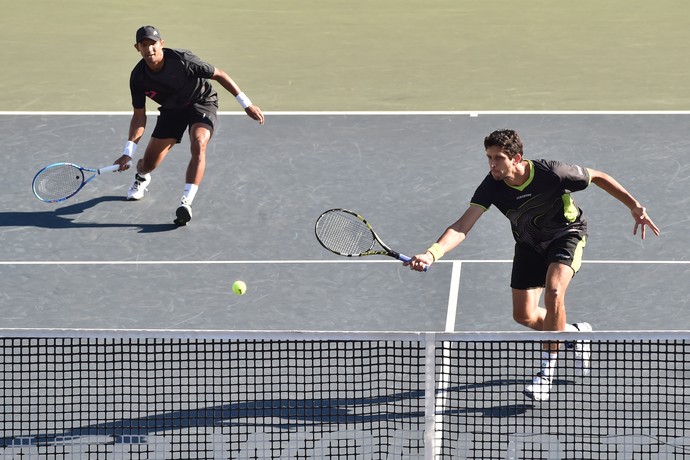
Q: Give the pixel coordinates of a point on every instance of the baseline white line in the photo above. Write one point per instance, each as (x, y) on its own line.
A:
(620, 262)
(193, 262)
(375, 112)
(304, 261)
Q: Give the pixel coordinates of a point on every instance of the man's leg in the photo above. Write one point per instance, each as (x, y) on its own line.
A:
(558, 278)
(199, 136)
(155, 153)
(526, 310)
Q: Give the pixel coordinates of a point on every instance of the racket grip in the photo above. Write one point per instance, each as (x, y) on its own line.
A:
(405, 258)
(112, 168)
(109, 168)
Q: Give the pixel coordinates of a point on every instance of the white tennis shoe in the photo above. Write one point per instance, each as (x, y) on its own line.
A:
(183, 214)
(540, 388)
(136, 191)
(583, 351)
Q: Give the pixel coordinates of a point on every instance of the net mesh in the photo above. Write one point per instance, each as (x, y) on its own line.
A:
(58, 182)
(343, 233)
(355, 395)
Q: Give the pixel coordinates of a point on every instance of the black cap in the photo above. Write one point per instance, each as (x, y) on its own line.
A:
(149, 32)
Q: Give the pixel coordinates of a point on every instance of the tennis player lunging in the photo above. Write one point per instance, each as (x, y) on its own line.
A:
(550, 233)
(179, 82)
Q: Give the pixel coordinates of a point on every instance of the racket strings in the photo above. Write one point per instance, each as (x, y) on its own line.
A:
(58, 182)
(344, 233)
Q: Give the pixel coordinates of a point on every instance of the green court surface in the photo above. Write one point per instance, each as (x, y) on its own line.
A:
(369, 55)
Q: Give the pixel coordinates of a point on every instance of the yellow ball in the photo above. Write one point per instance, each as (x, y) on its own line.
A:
(239, 288)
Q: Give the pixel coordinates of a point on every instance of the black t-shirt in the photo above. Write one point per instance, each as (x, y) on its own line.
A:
(541, 209)
(181, 82)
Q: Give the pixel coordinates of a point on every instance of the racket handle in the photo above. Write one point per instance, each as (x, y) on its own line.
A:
(405, 258)
(111, 168)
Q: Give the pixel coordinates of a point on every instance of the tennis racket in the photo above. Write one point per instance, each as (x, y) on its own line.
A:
(60, 181)
(346, 233)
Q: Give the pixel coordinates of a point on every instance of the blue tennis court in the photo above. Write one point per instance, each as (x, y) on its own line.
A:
(98, 261)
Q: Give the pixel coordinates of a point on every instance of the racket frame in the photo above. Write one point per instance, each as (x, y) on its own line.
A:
(387, 251)
(84, 181)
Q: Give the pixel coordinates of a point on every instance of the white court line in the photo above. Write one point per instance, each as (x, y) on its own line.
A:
(304, 261)
(453, 296)
(441, 398)
(472, 113)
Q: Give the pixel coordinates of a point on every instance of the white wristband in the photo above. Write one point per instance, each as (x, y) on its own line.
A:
(130, 148)
(243, 100)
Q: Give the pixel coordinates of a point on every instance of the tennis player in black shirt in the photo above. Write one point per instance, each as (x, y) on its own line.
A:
(550, 234)
(178, 81)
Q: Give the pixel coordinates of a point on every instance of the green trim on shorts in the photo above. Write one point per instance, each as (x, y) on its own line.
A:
(577, 256)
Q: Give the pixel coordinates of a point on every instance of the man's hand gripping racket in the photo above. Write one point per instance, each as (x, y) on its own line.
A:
(60, 181)
(346, 233)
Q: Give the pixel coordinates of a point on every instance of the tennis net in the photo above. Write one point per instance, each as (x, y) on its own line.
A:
(106, 394)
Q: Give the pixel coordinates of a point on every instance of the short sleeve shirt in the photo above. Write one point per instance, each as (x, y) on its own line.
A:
(541, 209)
(183, 81)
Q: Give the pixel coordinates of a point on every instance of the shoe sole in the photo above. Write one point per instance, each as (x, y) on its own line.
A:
(136, 198)
(536, 396)
(184, 215)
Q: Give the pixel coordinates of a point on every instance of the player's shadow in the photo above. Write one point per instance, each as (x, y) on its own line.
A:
(288, 413)
(59, 218)
(282, 413)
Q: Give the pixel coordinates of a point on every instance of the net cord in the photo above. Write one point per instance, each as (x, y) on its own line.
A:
(464, 336)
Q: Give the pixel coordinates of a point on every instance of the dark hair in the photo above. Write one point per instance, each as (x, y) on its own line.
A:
(507, 139)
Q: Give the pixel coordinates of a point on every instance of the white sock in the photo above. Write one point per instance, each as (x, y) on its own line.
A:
(190, 192)
(548, 363)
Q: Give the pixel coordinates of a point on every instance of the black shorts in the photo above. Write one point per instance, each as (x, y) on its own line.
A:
(530, 266)
(172, 123)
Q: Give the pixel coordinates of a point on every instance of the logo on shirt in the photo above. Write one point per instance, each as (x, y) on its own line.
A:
(522, 197)
(151, 94)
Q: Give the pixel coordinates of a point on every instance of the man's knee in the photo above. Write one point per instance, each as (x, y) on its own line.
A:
(524, 318)
(554, 297)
